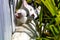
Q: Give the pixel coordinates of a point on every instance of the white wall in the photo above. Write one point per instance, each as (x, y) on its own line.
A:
(5, 21)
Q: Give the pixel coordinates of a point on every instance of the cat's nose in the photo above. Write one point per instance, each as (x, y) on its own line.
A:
(18, 15)
(32, 15)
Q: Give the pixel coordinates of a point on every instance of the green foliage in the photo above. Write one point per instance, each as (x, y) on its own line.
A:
(50, 5)
(29, 1)
(50, 13)
(18, 4)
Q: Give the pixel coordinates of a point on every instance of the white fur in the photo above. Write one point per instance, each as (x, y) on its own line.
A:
(24, 18)
(38, 9)
(30, 9)
(20, 36)
(22, 11)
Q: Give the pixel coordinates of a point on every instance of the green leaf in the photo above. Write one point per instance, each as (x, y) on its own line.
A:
(53, 2)
(45, 39)
(56, 30)
(29, 1)
(52, 29)
(50, 6)
(41, 15)
(59, 5)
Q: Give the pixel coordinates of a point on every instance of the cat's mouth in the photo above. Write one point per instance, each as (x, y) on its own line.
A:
(18, 16)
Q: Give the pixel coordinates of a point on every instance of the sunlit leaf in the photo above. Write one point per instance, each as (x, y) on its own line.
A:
(50, 6)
